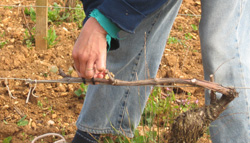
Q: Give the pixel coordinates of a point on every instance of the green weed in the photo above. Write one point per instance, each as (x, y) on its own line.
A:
(56, 14)
(29, 38)
(22, 121)
(138, 138)
(51, 38)
(8, 7)
(51, 110)
(5, 122)
(24, 136)
(63, 131)
(2, 44)
(195, 28)
(3, 34)
(7, 140)
(53, 14)
(82, 90)
(30, 12)
(78, 15)
(39, 104)
(173, 40)
(188, 36)
(70, 70)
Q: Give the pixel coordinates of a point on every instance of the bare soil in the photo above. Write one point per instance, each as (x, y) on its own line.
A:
(57, 102)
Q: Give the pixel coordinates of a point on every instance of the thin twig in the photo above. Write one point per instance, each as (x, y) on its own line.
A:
(26, 24)
(18, 111)
(31, 91)
(8, 89)
(222, 65)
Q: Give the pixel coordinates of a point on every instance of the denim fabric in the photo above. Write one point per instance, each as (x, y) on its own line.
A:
(225, 42)
(118, 109)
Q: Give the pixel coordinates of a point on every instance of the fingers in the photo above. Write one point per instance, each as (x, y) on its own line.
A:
(89, 52)
(101, 62)
(89, 70)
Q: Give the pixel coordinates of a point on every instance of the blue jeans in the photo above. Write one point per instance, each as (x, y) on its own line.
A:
(224, 32)
(117, 109)
(225, 41)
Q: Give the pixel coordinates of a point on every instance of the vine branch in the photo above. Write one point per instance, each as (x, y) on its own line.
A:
(229, 91)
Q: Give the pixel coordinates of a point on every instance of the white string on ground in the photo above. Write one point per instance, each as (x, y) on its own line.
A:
(28, 96)
(31, 91)
(34, 89)
(62, 140)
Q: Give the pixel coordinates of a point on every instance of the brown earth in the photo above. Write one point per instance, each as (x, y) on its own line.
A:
(57, 102)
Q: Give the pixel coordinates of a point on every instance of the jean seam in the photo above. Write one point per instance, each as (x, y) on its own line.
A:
(103, 131)
(127, 93)
(133, 72)
(153, 23)
(240, 59)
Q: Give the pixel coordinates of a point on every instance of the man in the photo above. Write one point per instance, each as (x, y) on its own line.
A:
(120, 27)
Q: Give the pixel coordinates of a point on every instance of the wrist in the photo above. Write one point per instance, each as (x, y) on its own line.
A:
(98, 28)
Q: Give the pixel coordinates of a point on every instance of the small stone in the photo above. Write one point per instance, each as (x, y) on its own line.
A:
(6, 20)
(12, 40)
(66, 124)
(5, 107)
(65, 29)
(49, 87)
(50, 122)
(33, 125)
(61, 88)
(40, 125)
(10, 46)
(70, 87)
(54, 116)
(198, 3)
(63, 94)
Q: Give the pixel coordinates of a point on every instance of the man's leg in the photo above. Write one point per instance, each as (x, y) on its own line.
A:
(225, 42)
(117, 109)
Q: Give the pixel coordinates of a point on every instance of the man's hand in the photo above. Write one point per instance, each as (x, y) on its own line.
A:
(90, 50)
